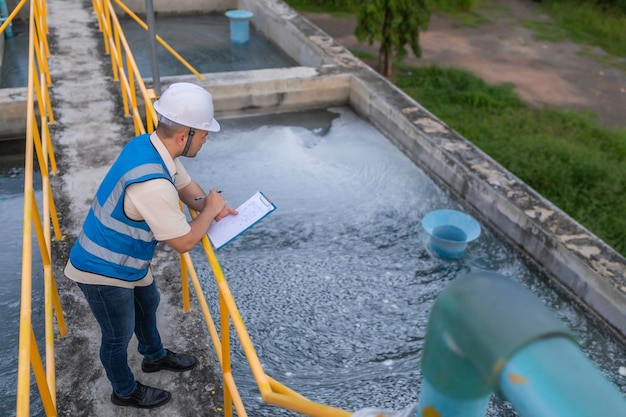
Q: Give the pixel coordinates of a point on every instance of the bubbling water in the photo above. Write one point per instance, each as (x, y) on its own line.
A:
(336, 286)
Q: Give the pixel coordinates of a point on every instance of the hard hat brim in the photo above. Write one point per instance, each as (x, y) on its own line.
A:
(214, 126)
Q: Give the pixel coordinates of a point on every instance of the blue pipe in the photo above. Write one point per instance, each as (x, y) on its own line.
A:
(4, 14)
(552, 377)
(488, 333)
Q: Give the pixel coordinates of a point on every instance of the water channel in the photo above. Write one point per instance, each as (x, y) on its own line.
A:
(336, 286)
(14, 68)
(204, 42)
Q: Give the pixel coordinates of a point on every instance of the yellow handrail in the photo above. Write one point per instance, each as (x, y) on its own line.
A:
(272, 392)
(160, 40)
(125, 70)
(11, 16)
(127, 73)
(38, 142)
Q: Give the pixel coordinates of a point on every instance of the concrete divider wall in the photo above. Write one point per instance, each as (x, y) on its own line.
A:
(283, 26)
(181, 6)
(13, 112)
(1, 53)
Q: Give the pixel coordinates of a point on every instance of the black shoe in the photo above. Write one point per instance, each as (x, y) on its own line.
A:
(143, 397)
(176, 362)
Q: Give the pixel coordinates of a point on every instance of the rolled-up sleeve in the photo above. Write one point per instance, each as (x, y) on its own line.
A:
(182, 176)
(157, 202)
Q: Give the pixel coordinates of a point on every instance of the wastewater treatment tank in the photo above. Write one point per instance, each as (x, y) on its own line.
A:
(205, 43)
(335, 287)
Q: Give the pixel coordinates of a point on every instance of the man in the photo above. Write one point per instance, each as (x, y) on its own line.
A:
(135, 207)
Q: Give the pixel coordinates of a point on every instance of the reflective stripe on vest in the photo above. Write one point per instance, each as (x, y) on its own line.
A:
(104, 212)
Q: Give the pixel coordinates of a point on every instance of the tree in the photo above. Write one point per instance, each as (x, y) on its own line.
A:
(393, 23)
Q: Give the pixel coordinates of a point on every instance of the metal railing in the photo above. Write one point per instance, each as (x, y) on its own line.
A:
(124, 67)
(39, 144)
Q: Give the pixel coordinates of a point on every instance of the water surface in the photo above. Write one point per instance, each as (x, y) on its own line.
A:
(335, 287)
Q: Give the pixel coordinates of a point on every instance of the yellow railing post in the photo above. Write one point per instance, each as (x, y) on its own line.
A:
(160, 40)
(23, 371)
(47, 398)
(39, 145)
(47, 259)
(12, 15)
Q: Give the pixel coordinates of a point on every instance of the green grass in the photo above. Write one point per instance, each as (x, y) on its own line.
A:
(338, 8)
(363, 55)
(545, 30)
(464, 12)
(566, 156)
(585, 23)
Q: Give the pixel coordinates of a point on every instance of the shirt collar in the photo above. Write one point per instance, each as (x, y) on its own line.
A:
(165, 155)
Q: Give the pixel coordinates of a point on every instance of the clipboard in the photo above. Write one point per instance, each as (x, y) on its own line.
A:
(252, 211)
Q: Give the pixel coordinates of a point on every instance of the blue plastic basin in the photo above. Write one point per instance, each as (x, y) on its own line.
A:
(449, 232)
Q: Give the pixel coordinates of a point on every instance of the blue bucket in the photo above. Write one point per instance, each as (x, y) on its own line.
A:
(239, 26)
(449, 232)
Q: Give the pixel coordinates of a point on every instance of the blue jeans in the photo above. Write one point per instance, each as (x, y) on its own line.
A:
(120, 312)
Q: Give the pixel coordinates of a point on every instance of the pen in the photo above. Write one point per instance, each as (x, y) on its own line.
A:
(202, 196)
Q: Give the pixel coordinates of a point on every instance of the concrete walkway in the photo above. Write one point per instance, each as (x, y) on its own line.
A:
(89, 133)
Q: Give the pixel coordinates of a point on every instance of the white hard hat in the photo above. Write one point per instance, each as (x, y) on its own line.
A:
(189, 105)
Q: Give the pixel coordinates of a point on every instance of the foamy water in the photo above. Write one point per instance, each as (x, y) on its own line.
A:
(336, 286)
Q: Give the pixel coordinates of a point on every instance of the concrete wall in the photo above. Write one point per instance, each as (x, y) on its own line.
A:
(1, 53)
(160, 6)
(12, 112)
(181, 6)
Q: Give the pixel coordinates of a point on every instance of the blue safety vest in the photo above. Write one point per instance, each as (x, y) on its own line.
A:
(110, 243)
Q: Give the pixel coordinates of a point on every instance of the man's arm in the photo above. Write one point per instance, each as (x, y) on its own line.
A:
(189, 193)
(209, 207)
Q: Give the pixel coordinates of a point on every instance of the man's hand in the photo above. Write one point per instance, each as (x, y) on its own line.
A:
(227, 210)
(214, 203)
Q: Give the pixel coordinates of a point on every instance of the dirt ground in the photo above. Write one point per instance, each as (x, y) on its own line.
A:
(544, 73)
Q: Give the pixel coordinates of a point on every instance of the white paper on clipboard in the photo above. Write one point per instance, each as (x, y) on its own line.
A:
(250, 212)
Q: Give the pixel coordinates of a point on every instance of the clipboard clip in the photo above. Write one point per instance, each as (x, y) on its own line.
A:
(265, 201)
